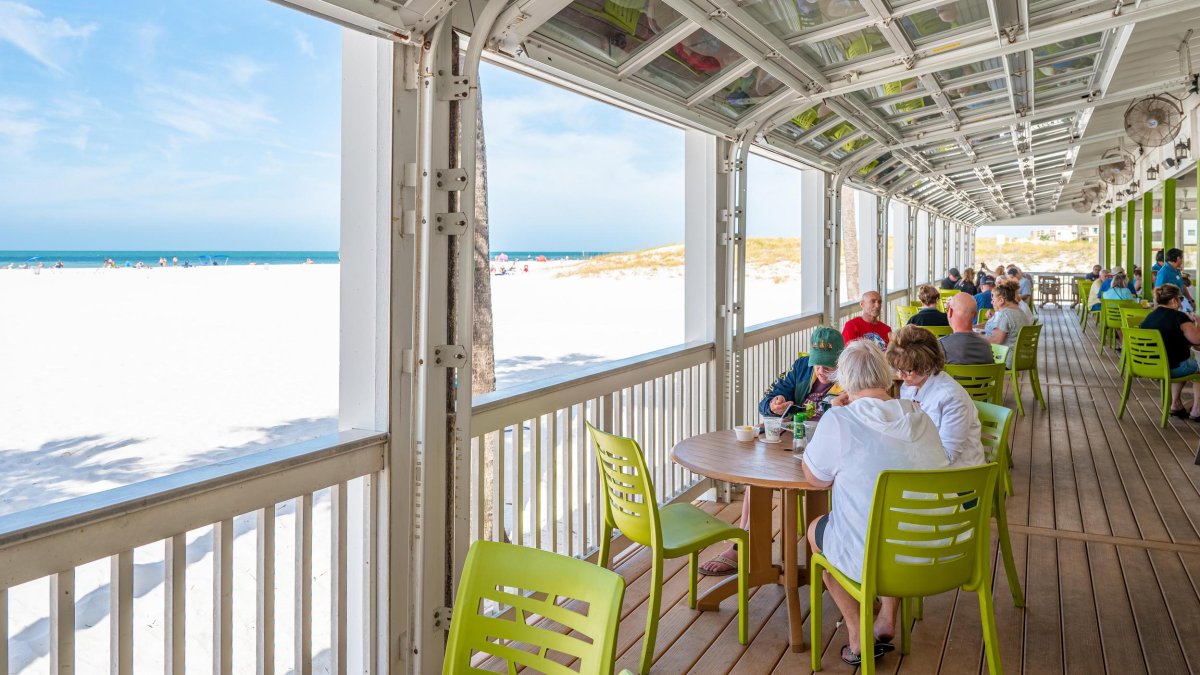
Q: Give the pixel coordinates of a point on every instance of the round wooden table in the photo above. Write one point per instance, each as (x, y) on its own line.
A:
(763, 468)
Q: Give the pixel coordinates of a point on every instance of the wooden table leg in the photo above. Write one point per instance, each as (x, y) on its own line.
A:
(816, 504)
(762, 571)
(788, 541)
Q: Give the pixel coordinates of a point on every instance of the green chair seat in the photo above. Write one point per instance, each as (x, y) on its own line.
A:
(686, 528)
(534, 583)
(1110, 321)
(669, 532)
(924, 537)
(1000, 354)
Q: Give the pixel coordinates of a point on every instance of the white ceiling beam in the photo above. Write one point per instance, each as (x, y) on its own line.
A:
(655, 47)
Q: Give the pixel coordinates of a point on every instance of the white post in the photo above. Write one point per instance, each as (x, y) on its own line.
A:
(700, 236)
(812, 240)
(866, 211)
(365, 275)
(833, 246)
(901, 248)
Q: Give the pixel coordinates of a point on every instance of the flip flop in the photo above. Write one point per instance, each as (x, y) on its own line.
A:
(720, 559)
(850, 658)
(1181, 413)
(883, 645)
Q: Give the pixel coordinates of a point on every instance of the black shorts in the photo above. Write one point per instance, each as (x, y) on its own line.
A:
(819, 535)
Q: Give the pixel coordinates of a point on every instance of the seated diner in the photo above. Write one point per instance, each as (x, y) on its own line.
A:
(853, 444)
(1119, 290)
(1007, 320)
(964, 347)
(1179, 335)
(929, 314)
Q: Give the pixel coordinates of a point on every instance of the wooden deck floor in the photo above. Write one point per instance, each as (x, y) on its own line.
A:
(1106, 532)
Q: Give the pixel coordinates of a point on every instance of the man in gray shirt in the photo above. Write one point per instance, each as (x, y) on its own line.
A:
(963, 347)
(1025, 284)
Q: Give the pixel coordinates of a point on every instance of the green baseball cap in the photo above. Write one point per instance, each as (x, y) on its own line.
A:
(825, 347)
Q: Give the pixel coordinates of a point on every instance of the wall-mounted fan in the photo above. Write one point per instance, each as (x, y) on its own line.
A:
(1154, 121)
(1116, 166)
(1082, 205)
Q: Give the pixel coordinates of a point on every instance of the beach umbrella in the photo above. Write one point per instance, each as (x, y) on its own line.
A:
(503, 257)
(541, 258)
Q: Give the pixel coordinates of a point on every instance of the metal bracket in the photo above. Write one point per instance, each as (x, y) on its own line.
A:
(449, 356)
(450, 180)
(408, 223)
(441, 618)
(450, 223)
(453, 87)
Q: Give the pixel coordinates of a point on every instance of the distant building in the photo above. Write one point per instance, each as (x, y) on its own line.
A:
(1066, 233)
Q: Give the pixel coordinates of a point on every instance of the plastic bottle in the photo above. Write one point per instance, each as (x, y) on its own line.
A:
(799, 438)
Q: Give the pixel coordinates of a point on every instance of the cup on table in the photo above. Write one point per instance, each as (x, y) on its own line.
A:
(773, 427)
(810, 428)
(745, 433)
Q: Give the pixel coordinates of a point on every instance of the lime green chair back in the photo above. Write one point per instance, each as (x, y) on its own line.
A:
(948, 292)
(928, 533)
(983, 315)
(1083, 287)
(996, 424)
(915, 303)
(1110, 311)
(1025, 357)
(1132, 317)
(629, 504)
(903, 314)
(982, 382)
(1000, 354)
(1145, 354)
(534, 583)
(939, 331)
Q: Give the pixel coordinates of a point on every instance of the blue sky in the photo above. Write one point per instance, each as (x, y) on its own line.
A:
(144, 125)
(216, 125)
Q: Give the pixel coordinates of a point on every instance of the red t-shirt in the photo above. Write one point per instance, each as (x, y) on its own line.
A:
(856, 328)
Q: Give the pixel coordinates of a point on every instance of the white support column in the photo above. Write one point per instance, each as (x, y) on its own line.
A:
(881, 249)
(913, 252)
(833, 246)
(701, 238)
(365, 275)
(901, 248)
(930, 256)
(812, 240)
(866, 209)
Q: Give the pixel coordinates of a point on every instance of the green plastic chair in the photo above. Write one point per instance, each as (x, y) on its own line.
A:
(534, 583)
(982, 382)
(1025, 359)
(1147, 358)
(948, 292)
(939, 331)
(903, 314)
(920, 542)
(670, 532)
(1110, 321)
(1131, 317)
(983, 315)
(1083, 287)
(1000, 354)
(996, 423)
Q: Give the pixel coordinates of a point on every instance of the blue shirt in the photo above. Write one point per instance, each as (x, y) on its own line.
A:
(1169, 275)
(984, 300)
(1105, 285)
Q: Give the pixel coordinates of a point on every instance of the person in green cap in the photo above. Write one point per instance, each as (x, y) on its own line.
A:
(811, 380)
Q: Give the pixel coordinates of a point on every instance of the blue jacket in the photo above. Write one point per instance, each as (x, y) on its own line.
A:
(792, 385)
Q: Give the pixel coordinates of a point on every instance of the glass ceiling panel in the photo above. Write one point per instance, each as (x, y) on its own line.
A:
(996, 86)
(789, 18)
(947, 77)
(852, 46)
(609, 30)
(944, 21)
(745, 93)
(688, 65)
(1046, 65)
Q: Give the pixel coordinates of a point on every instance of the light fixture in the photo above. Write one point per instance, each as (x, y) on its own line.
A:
(1152, 172)
(1181, 149)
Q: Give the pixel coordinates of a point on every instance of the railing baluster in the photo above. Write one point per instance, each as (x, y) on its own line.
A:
(265, 593)
(552, 486)
(499, 527)
(303, 607)
(569, 449)
(3, 630)
(519, 503)
(337, 582)
(481, 481)
(539, 479)
(222, 535)
(374, 661)
(175, 604)
(120, 613)
(62, 622)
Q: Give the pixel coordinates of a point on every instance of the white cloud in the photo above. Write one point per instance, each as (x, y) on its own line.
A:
(44, 40)
(206, 115)
(304, 44)
(242, 70)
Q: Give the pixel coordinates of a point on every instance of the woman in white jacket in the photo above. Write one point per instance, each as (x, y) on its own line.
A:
(918, 358)
(853, 444)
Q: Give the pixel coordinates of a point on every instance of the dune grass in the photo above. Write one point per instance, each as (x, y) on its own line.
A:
(760, 252)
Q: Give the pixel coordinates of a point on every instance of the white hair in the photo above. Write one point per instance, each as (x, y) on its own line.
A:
(863, 366)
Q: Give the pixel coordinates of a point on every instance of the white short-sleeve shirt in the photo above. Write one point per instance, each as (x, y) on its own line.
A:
(852, 445)
(954, 414)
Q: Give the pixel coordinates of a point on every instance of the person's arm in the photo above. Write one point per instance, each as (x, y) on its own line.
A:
(824, 452)
(813, 480)
(1191, 331)
(784, 385)
(954, 427)
(997, 336)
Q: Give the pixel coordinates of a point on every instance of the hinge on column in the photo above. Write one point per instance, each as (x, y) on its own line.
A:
(449, 356)
(723, 215)
(406, 361)
(409, 176)
(441, 618)
(453, 87)
(450, 223)
(408, 223)
(450, 180)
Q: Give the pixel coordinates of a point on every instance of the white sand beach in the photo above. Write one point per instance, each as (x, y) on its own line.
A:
(108, 377)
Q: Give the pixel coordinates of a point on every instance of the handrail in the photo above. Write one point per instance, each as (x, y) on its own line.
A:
(79, 530)
(770, 330)
(498, 409)
(847, 308)
(896, 295)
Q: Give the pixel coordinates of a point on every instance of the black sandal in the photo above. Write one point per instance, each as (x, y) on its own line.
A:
(1182, 413)
(884, 646)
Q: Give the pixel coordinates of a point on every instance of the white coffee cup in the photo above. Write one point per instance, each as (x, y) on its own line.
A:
(773, 426)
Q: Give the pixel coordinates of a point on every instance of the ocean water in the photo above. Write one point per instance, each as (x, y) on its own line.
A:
(75, 259)
(206, 258)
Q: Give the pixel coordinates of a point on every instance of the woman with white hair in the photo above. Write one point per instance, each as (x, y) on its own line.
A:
(852, 445)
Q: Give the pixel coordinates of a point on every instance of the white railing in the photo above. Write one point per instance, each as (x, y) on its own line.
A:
(237, 498)
(1068, 290)
(770, 349)
(892, 301)
(846, 312)
(533, 471)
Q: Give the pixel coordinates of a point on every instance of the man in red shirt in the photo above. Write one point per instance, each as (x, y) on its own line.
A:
(868, 325)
